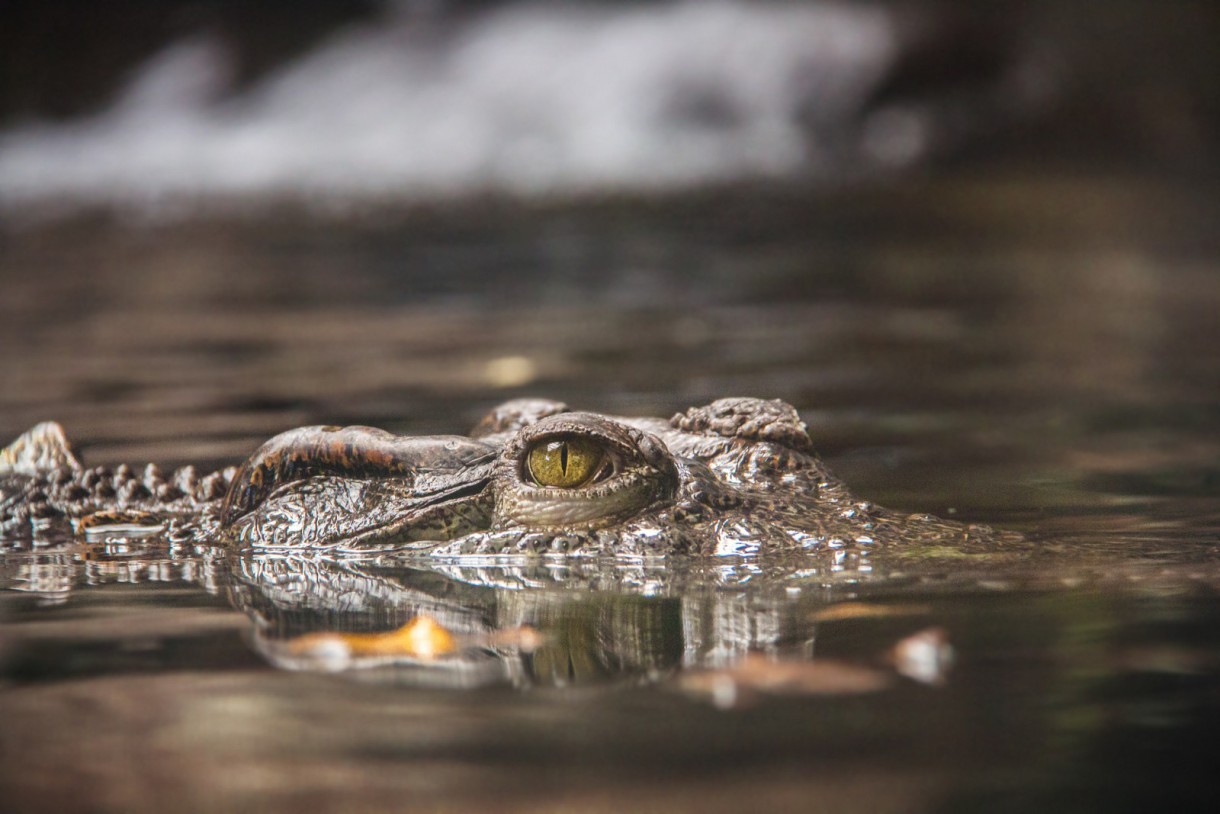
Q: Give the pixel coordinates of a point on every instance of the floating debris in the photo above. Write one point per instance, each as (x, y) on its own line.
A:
(866, 610)
(924, 656)
(757, 673)
(523, 638)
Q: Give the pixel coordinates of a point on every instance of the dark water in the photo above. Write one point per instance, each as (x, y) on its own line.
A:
(1034, 349)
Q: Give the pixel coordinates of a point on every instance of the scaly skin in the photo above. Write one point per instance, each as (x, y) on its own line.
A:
(43, 486)
(738, 476)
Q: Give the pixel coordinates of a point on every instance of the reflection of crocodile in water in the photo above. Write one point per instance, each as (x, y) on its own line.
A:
(738, 476)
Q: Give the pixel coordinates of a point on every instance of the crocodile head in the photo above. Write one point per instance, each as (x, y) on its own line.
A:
(735, 476)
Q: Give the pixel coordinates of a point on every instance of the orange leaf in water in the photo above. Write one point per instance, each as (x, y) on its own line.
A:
(423, 637)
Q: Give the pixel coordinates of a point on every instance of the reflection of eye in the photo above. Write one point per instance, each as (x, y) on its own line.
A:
(568, 462)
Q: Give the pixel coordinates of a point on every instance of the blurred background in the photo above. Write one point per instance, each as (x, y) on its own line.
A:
(974, 243)
(167, 106)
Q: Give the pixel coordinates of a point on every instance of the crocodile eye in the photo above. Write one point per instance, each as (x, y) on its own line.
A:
(568, 462)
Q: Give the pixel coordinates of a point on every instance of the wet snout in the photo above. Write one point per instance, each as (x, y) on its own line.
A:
(329, 484)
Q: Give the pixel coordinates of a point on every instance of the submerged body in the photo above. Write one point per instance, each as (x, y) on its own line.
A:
(738, 476)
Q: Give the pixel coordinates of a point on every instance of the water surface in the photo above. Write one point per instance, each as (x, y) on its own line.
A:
(1036, 350)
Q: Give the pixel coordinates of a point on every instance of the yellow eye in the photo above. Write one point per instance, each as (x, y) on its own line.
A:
(565, 463)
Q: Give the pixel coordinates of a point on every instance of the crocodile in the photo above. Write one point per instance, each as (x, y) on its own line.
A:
(738, 476)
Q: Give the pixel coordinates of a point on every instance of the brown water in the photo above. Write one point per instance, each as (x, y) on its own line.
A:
(1036, 350)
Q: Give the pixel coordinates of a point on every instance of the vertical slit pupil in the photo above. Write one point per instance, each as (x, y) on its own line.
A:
(563, 458)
